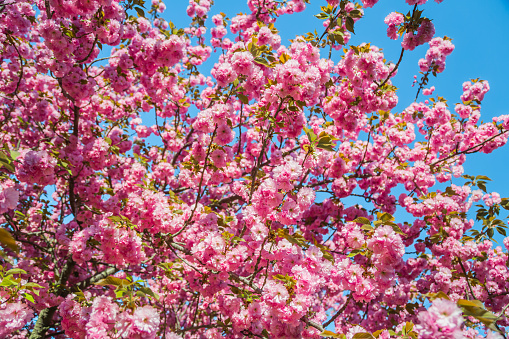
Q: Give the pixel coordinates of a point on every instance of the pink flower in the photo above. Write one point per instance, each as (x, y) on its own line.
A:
(224, 74)
(276, 293)
(224, 134)
(266, 197)
(218, 157)
(36, 167)
(428, 91)
(146, 321)
(305, 197)
(242, 63)
(8, 199)
(416, 2)
(102, 317)
(493, 335)
(13, 316)
(355, 239)
(442, 320)
(369, 3)
(491, 199)
(264, 36)
(393, 20)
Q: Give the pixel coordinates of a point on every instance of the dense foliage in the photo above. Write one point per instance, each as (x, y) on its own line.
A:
(146, 195)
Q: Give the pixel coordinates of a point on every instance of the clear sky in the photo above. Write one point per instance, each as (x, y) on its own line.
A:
(479, 29)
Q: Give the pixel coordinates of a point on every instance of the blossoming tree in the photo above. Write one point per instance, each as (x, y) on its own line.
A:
(144, 195)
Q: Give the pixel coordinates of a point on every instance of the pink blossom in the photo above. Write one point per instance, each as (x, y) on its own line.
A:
(13, 317)
(8, 199)
(146, 321)
(443, 319)
(36, 167)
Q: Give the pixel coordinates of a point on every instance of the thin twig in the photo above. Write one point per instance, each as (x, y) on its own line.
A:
(198, 196)
(341, 310)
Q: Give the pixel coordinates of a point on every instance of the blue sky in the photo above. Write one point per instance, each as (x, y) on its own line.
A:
(478, 30)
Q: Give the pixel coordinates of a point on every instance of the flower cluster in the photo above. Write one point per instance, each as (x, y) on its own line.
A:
(439, 49)
(36, 167)
(443, 319)
(103, 318)
(13, 317)
(9, 197)
(228, 183)
(424, 34)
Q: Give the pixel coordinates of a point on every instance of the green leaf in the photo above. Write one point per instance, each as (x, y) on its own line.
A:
(490, 232)
(325, 142)
(310, 134)
(8, 282)
(328, 256)
(6, 162)
(505, 203)
(396, 229)
(367, 227)
(243, 98)
(262, 61)
(438, 295)
(115, 218)
(15, 271)
(330, 334)
(119, 293)
(148, 291)
(355, 13)
(322, 16)
(450, 191)
(32, 285)
(327, 9)
(363, 335)
(354, 253)
(7, 240)
(362, 220)
(140, 11)
(110, 281)
(349, 24)
(385, 217)
(408, 326)
(29, 297)
(486, 317)
(238, 239)
(14, 154)
(470, 303)
(253, 50)
(284, 58)
(482, 186)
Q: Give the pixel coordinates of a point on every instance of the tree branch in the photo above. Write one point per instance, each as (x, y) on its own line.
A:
(341, 310)
(93, 279)
(45, 318)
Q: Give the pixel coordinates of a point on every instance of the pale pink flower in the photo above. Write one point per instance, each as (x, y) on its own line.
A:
(146, 320)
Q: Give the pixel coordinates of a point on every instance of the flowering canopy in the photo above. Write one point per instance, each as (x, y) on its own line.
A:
(144, 195)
